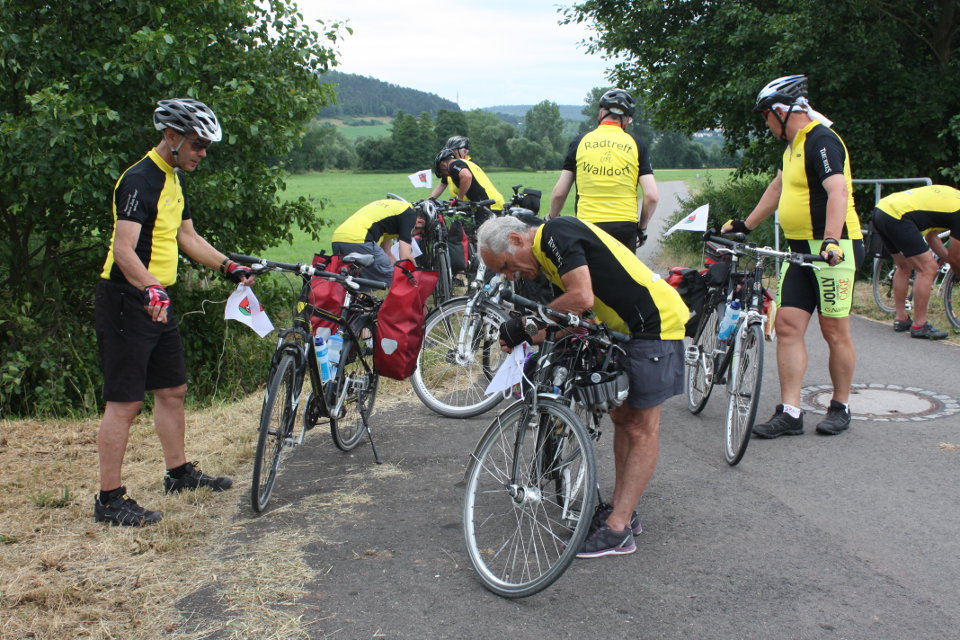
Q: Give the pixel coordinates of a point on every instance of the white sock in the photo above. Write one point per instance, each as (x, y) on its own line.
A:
(792, 411)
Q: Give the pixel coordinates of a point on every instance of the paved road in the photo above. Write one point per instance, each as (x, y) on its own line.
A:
(850, 537)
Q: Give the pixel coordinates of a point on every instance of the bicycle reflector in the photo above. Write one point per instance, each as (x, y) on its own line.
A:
(601, 390)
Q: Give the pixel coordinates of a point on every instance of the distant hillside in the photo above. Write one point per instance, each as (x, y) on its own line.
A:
(517, 111)
(363, 96)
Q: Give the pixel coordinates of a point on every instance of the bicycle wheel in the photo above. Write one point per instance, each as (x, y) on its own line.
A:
(951, 285)
(442, 291)
(883, 270)
(700, 371)
(522, 534)
(356, 388)
(459, 356)
(276, 427)
(743, 398)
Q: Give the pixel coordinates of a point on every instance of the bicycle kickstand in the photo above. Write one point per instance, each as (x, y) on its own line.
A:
(366, 425)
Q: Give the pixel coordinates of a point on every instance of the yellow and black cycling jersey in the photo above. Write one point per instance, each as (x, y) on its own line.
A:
(607, 163)
(931, 208)
(628, 296)
(814, 155)
(480, 189)
(150, 193)
(378, 221)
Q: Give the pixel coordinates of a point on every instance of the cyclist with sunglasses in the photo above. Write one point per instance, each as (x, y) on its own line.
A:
(137, 332)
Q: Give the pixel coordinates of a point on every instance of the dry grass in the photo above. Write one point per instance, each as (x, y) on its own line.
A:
(65, 576)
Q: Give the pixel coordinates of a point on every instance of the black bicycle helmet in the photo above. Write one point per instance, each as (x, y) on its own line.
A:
(784, 90)
(618, 102)
(186, 115)
(457, 142)
(445, 154)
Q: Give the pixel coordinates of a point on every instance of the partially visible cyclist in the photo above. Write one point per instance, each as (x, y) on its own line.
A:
(903, 219)
(814, 194)
(597, 274)
(137, 331)
(374, 227)
(607, 164)
(467, 181)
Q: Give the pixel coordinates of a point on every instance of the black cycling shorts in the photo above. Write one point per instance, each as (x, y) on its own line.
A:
(899, 235)
(625, 232)
(136, 353)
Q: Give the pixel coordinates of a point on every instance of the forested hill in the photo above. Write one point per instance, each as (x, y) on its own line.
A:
(363, 96)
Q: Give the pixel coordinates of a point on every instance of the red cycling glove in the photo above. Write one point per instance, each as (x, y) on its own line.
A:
(155, 295)
(235, 272)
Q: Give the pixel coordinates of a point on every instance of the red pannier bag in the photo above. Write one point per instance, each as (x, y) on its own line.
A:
(328, 295)
(400, 321)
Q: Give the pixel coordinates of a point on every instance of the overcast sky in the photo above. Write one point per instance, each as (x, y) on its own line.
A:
(479, 53)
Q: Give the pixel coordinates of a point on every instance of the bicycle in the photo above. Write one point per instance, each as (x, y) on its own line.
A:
(346, 399)
(737, 361)
(531, 483)
(945, 283)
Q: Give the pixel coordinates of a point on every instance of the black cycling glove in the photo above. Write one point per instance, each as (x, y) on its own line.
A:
(513, 333)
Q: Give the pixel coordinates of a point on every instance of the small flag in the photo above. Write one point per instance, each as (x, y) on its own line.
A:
(243, 306)
(695, 221)
(422, 179)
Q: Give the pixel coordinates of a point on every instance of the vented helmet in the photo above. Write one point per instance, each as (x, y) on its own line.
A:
(457, 142)
(618, 102)
(187, 115)
(784, 90)
(445, 154)
(427, 209)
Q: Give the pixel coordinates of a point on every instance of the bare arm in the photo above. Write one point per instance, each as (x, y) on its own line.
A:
(439, 189)
(124, 254)
(193, 244)
(769, 202)
(560, 191)
(577, 294)
(936, 244)
(651, 197)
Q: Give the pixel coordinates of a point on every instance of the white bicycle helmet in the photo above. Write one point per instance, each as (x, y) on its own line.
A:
(186, 115)
(784, 90)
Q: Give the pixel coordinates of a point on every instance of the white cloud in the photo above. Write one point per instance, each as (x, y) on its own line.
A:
(484, 54)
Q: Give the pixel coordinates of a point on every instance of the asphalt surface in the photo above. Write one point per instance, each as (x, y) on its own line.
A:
(845, 537)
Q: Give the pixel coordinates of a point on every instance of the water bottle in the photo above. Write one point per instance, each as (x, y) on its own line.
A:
(322, 351)
(334, 344)
(728, 323)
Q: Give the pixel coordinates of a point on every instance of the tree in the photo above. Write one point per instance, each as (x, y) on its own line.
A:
(488, 138)
(78, 82)
(412, 142)
(543, 124)
(450, 123)
(886, 72)
(322, 147)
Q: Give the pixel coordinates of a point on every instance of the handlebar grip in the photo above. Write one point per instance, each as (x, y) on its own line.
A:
(811, 257)
(374, 284)
(239, 257)
(509, 295)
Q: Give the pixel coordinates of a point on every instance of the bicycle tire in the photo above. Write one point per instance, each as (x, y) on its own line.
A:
(521, 538)
(882, 279)
(276, 426)
(950, 286)
(441, 293)
(746, 375)
(700, 375)
(450, 381)
(356, 387)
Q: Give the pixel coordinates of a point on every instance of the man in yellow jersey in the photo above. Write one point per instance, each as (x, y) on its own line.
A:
(597, 273)
(137, 332)
(374, 227)
(467, 181)
(814, 194)
(607, 164)
(902, 220)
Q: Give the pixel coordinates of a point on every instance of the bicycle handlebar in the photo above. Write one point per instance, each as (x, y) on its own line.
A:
(558, 317)
(741, 246)
(260, 265)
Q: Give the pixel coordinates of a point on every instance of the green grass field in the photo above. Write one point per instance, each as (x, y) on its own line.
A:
(345, 192)
(354, 133)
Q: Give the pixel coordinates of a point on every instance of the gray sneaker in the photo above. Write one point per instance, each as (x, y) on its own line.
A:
(928, 332)
(604, 509)
(607, 542)
(837, 420)
(781, 424)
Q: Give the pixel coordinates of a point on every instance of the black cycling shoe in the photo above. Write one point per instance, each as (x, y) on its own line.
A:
(781, 424)
(837, 420)
(928, 332)
(902, 325)
(194, 479)
(124, 511)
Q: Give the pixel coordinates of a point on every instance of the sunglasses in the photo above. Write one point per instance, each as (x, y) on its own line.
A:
(198, 144)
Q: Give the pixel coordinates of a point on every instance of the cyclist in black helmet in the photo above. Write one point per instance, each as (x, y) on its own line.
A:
(137, 332)
(813, 193)
(606, 165)
(466, 180)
